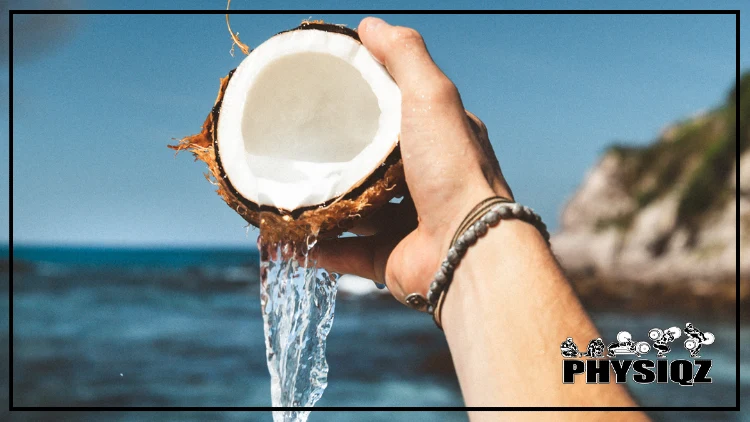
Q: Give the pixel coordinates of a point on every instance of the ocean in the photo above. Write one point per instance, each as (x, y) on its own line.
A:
(183, 327)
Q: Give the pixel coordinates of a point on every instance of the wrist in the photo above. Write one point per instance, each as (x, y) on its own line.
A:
(509, 295)
(486, 280)
(491, 303)
(485, 215)
(465, 203)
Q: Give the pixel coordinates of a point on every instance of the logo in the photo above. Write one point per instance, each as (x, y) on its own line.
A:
(662, 338)
(596, 369)
(626, 346)
(696, 339)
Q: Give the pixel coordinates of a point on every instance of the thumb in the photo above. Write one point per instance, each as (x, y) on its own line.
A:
(404, 53)
(441, 154)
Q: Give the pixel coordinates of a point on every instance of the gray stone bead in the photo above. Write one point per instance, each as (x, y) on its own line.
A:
(433, 286)
(491, 218)
(440, 278)
(517, 210)
(431, 298)
(460, 246)
(447, 268)
(453, 256)
(469, 236)
(481, 228)
(504, 212)
(529, 212)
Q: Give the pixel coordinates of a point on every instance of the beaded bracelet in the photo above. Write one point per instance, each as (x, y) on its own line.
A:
(486, 214)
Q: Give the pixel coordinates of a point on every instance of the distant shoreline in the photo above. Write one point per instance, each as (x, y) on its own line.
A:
(716, 298)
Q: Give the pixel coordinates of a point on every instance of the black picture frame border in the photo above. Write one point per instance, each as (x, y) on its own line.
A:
(736, 408)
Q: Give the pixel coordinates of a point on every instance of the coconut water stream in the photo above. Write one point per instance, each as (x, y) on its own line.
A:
(297, 300)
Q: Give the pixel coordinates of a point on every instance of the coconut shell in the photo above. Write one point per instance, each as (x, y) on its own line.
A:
(327, 220)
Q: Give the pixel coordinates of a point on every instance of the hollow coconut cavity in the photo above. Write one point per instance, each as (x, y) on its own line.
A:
(306, 128)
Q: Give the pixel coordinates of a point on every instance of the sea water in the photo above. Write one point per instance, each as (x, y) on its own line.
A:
(297, 300)
(82, 316)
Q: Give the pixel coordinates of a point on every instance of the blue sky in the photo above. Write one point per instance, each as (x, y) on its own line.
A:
(98, 98)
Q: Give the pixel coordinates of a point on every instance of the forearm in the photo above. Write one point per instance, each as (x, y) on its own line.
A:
(508, 309)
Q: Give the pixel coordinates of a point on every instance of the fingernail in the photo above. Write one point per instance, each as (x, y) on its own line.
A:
(379, 286)
(373, 24)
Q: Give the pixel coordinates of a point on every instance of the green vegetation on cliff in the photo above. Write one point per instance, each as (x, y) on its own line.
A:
(694, 157)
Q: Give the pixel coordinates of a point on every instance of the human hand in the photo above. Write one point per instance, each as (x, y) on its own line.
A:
(449, 166)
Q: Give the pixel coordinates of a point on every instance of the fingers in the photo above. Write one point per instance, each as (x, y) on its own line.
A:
(391, 218)
(350, 255)
(368, 256)
(436, 136)
(361, 256)
(404, 53)
(365, 257)
(379, 221)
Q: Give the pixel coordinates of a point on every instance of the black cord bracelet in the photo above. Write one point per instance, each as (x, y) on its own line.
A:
(486, 214)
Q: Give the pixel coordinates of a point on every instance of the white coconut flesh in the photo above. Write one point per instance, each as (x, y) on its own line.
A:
(306, 117)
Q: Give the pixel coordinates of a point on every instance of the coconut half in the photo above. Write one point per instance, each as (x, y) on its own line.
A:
(306, 128)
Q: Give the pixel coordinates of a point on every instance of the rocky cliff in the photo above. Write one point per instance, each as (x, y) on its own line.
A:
(667, 212)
